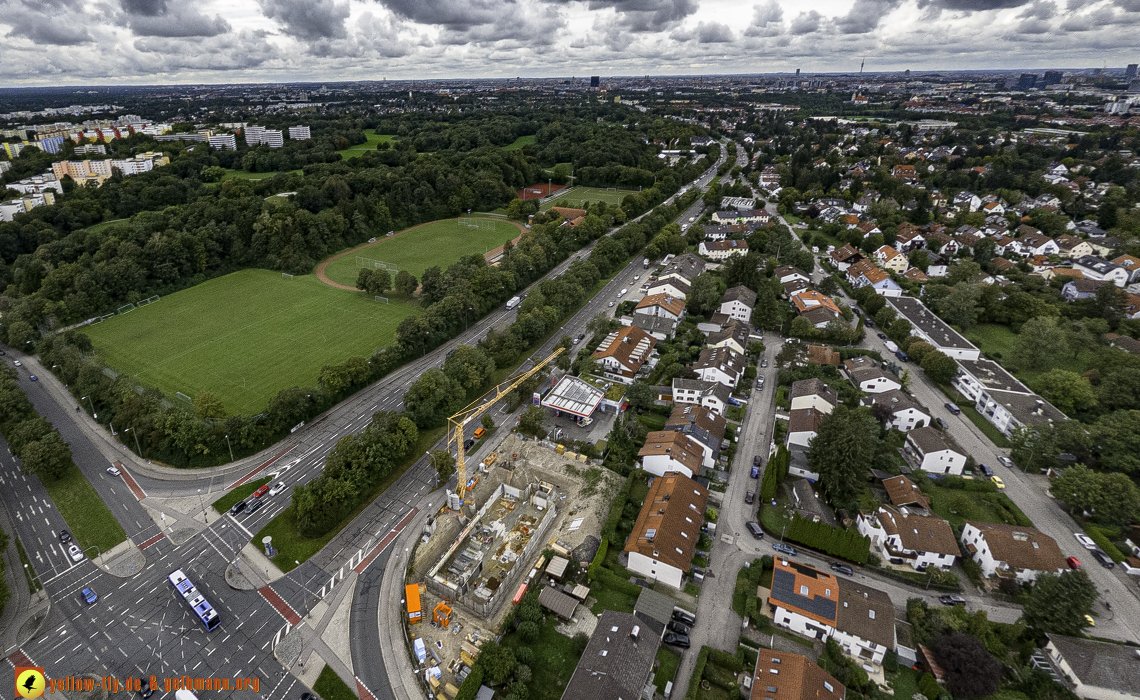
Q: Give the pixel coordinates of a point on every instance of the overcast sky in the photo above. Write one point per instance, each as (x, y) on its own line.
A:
(66, 42)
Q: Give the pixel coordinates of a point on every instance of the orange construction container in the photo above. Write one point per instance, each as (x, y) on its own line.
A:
(519, 594)
(412, 596)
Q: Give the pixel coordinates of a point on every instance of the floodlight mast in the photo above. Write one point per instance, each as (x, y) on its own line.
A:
(476, 408)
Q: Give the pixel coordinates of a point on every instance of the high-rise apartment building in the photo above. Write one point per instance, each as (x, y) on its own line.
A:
(272, 138)
(223, 142)
(595, 81)
(1026, 81)
(1052, 77)
(253, 135)
(1130, 73)
(299, 133)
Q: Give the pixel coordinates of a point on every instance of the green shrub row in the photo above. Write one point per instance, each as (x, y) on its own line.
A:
(845, 544)
(698, 673)
(609, 530)
(470, 686)
(1019, 518)
(599, 559)
(612, 581)
(774, 474)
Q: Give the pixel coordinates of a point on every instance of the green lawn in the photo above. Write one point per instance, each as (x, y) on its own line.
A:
(245, 336)
(373, 141)
(668, 662)
(438, 243)
(905, 683)
(555, 657)
(246, 175)
(997, 341)
(227, 501)
(330, 686)
(576, 197)
(957, 506)
(87, 516)
(519, 143)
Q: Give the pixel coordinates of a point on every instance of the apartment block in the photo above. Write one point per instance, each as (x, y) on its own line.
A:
(299, 133)
(223, 142)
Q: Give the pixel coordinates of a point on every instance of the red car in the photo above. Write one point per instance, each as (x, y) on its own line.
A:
(261, 491)
(1074, 563)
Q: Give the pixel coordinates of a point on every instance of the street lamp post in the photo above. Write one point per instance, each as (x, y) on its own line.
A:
(136, 434)
(203, 507)
(91, 404)
(231, 448)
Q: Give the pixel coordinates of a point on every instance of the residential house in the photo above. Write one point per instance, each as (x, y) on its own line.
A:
(1079, 288)
(1100, 269)
(967, 200)
(817, 308)
(662, 305)
(918, 537)
(891, 259)
(916, 275)
(657, 326)
(1073, 247)
(618, 661)
(933, 330)
(666, 531)
(901, 491)
(788, 676)
(941, 242)
(901, 412)
(703, 427)
(786, 273)
(748, 216)
(813, 393)
(934, 452)
(865, 274)
(721, 365)
(910, 239)
(667, 451)
(674, 287)
(624, 352)
(1130, 263)
(868, 377)
(993, 208)
(823, 355)
(793, 287)
(1091, 668)
(1001, 265)
(1012, 551)
(1033, 242)
(734, 336)
(819, 605)
(738, 303)
(845, 256)
(803, 425)
(722, 250)
(685, 267)
(1001, 398)
(906, 173)
(711, 395)
(1123, 342)
(868, 228)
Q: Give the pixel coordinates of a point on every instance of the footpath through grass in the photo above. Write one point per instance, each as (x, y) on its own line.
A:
(87, 516)
(438, 243)
(245, 336)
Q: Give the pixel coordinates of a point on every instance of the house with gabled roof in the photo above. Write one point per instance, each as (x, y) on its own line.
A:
(738, 303)
(785, 273)
(667, 451)
(1100, 269)
(901, 491)
(722, 250)
(1073, 247)
(734, 335)
(902, 412)
(916, 275)
(618, 661)
(892, 259)
(868, 377)
(813, 393)
(673, 287)
(918, 537)
(624, 352)
(1012, 551)
(721, 365)
(1033, 242)
(818, 308)
(686, 267)
(819, 605)
(665, 534)
(1094, 669)
(788, 676)
(909, 239)
(1130, 263)
(845, 256)
(703, 426)
(663, 305)
(712, 395)
(934, 452)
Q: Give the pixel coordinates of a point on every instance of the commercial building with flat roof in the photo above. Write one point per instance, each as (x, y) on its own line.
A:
(926, 325)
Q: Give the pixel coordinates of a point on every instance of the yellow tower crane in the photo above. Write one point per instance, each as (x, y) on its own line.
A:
(476, 408)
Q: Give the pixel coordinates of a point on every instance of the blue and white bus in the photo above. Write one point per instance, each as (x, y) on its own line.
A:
(197, 602)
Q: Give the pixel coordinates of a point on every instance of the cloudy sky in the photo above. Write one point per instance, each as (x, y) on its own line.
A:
(65, 42)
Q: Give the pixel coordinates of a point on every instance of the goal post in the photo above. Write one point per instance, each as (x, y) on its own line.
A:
(383, 300)
(184, 397)
(362, 261)
(286, 275)
(125, 308)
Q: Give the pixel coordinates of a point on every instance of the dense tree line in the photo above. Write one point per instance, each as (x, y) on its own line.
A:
(31, 438)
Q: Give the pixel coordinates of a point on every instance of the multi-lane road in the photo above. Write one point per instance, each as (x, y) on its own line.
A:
(138, 626)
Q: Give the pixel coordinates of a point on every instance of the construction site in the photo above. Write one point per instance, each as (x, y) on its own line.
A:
(539, 500)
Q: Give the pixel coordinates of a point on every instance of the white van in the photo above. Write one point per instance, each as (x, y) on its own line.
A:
(622, 293)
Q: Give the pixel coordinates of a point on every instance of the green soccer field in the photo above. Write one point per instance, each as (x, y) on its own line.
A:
(438, 243)
(576, 197)
(245, 336)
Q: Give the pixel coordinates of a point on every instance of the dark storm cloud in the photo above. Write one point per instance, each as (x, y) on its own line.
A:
(970, 5)
(865, 16)
(159, 18)
(458, 16)
(647, 15)
(309, 20)
(64, 25)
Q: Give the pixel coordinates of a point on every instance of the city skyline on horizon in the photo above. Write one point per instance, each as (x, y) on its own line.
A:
(158, 42)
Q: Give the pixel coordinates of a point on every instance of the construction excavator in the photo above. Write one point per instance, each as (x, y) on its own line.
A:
(457, 423)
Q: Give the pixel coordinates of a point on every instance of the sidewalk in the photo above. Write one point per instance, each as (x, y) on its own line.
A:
(393, 643)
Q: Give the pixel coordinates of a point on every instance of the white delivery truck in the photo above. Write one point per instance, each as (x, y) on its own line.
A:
(891, 345)
(514, 301)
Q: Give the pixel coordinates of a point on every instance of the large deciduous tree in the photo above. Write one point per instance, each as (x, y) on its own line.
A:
(971, 672)
(704, 296)
(1111, 498)
(939, 367)
(842, 453)
(1059, 604)
(1067, 390)
(1040, 343)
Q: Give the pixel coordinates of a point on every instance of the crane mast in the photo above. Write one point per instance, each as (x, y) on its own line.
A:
(476, 408)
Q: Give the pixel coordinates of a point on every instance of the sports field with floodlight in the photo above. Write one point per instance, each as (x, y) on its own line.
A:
(245, 336)
(415, 250)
